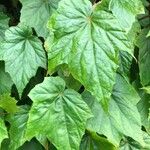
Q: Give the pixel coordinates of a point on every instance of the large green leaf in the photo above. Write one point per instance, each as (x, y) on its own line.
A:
(123, 117)
(126, 11)
(8, 103)
(18, 123)
(3, 24)
(143, 43)
(57, 113)
(5, 80)
(3, 131)
(88, 39)
(23, 54)
(91, 141)
(41, 10)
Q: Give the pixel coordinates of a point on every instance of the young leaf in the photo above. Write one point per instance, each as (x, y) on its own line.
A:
(143, 43)
(23, 54)
(3, 131)
(3, 25)
(8, 103)
(126, 11)
(5, 80)
(18, 123)
(41, 10)
(58, 114)
(123, 117)
(88, 39)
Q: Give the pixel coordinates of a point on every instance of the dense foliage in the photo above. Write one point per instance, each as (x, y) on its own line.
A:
(74, 74)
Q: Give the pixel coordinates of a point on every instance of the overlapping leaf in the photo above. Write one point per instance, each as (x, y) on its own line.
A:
(126, 11)
(143, 107)
(3, 24)
(5, 80)
(18, 123)
(39, 12)
(23, 54)
(130, 144)
(58, 114)
(143, 43)
(123, 117)
(8, 103)
(3, 131)
(92, 141)
(88, 39)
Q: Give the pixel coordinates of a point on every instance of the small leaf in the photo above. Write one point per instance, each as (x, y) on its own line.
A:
(58, 114)
(23, 54)
(8, 103)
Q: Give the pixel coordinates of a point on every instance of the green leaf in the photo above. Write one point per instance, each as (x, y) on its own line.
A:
(130, 144)
(5, 80)
(3, 25)
(126, 11)
(71, 83)
(32, 145)
(146, 141)
(125, 62)
(143, 107)
(57, 113)
(123, 117)
(18, 123)
(43, 141)
(8, 103)
(23, 54)
(88, 39)
(41, 10)
(147, 89)
(143, 43)
(91, 141)
(148, 34)
(3, 131)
